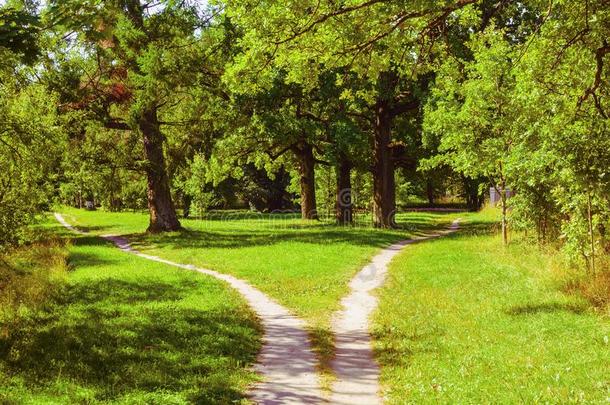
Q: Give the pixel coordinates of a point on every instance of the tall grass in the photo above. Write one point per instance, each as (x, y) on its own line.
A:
(31, 276)
(593, 286)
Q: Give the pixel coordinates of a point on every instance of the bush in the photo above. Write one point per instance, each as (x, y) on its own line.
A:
(594, 287)
(30, 143)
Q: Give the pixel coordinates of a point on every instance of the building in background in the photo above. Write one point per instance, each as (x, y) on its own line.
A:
(495, 197)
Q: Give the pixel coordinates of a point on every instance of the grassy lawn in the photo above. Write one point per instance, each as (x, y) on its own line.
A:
(127, 330)
(305, 266)
(463, 320)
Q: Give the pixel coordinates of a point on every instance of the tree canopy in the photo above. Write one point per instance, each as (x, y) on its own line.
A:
(321, 106)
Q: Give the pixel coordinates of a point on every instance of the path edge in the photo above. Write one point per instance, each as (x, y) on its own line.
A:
(355, 367)
(272, 389)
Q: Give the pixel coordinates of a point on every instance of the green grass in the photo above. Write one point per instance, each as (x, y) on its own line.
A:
(30, 276)
(305, 265)
(127, 330)
(463, 320)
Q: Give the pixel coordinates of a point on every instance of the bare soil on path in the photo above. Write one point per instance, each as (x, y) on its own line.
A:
(286, 362)
(354, 365)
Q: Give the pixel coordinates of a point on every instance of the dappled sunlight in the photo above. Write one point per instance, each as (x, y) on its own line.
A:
(288, 201)
(124, 326)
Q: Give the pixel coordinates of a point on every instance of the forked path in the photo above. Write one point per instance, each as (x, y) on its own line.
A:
(354, 365)
(286, 361)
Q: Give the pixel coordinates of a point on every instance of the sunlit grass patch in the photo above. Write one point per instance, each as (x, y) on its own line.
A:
(305, 265)
(128, 330)
(464, 320)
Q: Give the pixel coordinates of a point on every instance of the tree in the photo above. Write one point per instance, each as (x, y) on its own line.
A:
(381, 42)
(281, 121)
(30, 145)
(30, 131)
(472, 107)
(564, 151)
(146, 56)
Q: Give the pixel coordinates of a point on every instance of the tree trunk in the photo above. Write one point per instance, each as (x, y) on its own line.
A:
(384, 197)
(304, 153)
(343, 211)
(162, 212)
(504, 221)
(430, 192)
(187, 200)
(591, 234)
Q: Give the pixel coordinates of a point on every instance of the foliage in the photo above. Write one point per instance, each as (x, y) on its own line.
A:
(471, 108)
(526, 109)
(565, 135)
(19, 29)
(30, 145)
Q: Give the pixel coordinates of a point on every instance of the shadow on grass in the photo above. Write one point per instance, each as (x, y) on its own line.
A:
(115, 338)
(404, 345)
(78, 258)
(478, 228)
(549, 307)
(253, 234)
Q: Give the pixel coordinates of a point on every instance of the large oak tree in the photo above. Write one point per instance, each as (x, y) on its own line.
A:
(145, 55)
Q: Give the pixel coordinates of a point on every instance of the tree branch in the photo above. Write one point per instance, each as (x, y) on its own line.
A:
(402, 18)
(600, 53)
(404, 107)
(114, 124)
(324, 17)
